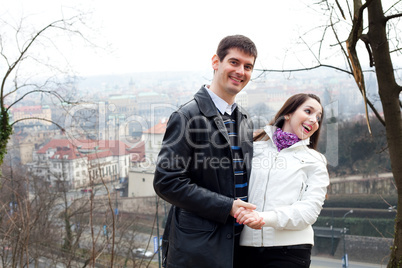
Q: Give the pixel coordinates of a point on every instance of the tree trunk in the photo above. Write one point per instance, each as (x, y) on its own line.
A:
(5, 133)
(389, 93)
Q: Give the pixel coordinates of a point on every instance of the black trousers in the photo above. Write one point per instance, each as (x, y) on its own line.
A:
(297, 256)
(238, 252)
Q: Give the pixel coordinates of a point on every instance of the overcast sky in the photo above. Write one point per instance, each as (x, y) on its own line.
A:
(175, 35)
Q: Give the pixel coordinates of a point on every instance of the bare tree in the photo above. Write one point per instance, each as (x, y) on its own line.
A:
(20, 52)
(25, 218)
(377, 40)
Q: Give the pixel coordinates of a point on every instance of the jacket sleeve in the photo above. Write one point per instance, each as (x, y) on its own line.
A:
(173, 181)
(305, 211)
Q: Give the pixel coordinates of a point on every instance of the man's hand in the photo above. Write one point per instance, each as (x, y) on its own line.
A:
(249, 217)
(237, 204)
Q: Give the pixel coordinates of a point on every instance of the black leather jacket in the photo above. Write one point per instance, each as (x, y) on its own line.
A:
(195, 174)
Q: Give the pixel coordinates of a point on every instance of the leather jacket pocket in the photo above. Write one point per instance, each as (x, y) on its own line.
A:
(188, 220)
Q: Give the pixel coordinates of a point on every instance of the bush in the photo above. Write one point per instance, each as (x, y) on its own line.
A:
(360, 201)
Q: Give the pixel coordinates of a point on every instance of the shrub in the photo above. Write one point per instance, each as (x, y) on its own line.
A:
(360, 201)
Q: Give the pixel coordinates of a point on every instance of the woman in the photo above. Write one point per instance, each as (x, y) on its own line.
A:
(288, 184)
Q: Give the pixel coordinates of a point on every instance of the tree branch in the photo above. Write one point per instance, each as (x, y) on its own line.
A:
(340, 9)
(322, 41)
(354, 36)
(366, 41)
(54, 93)
(367, 101)
(16, 88)
(395, 50)
(21, 57)
(350, 12)
(26, 48)
(391, 7)
(355, 33)
(304, 69)
(340, 44)
(38, 118)
(387, 18)
(377, 114)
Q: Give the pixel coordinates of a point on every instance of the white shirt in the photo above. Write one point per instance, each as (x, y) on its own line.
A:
(222, 105)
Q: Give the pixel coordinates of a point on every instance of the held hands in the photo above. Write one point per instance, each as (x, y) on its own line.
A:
(245, 214)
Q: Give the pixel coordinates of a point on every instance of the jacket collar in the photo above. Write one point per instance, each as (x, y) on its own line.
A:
(205, 103)
(207, 106)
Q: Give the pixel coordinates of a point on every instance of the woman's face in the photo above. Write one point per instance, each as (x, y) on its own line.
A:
(305, 120)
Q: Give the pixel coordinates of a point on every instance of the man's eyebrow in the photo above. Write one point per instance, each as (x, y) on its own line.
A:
(236, 59)
(233, 58)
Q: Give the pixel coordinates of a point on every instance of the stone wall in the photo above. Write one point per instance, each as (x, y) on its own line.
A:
(359, 248)
(383, 184)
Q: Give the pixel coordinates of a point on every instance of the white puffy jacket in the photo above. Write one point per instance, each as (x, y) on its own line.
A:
(288, 188)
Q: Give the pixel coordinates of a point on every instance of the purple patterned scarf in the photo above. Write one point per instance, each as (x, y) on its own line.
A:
(284, 139)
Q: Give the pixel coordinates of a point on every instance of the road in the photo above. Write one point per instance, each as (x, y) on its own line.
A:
(317, 262)
(321, 262)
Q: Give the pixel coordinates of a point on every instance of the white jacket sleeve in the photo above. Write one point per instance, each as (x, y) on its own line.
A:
(304, 212)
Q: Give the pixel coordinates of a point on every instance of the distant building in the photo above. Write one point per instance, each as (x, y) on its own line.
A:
(35, 112)
(153, 138)
(242, 99)
(116, 128)
(274, 98)
(137, 153)
(122, 104)
(140, 182)
(24, 143)
(84, 120)
(153, 104)
(78, 164)
(140, 178)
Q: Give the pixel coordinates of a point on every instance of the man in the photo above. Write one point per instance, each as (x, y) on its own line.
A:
(204, 165)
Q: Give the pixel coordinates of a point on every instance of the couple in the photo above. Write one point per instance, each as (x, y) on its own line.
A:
(225, 213)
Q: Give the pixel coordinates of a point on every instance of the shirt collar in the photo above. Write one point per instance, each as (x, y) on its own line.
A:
(222, 105)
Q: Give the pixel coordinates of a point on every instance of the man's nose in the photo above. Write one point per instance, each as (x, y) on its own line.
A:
(240, 70)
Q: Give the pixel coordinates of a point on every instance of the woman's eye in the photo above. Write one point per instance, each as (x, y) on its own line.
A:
(307, 111)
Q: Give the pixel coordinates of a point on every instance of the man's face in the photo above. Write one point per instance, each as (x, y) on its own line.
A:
(232, 73)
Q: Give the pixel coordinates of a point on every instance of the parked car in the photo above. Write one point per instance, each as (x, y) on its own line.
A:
(141, 252)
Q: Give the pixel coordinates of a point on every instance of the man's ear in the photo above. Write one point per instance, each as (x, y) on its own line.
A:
(215, 62)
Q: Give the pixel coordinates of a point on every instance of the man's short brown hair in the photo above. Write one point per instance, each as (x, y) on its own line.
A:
(240, 42)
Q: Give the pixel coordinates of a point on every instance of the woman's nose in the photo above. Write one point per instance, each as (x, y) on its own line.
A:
(313, 119)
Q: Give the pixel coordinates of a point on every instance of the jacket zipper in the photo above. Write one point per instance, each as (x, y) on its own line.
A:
(265, 195)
